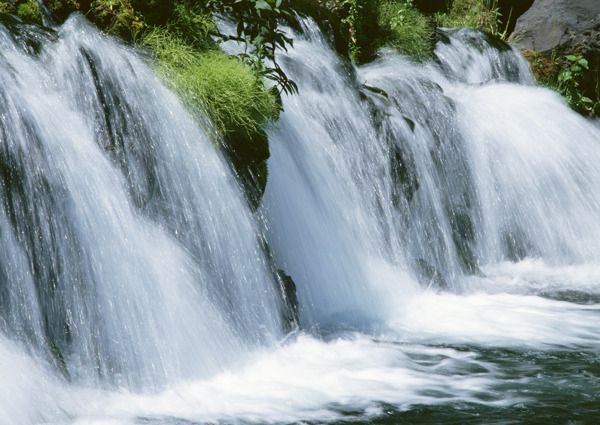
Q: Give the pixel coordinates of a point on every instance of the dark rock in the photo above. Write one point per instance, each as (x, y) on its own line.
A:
(561, 27)
(61, 9)
(403, 173)
(286, 292)
(248, 154)
(556, 28)
(375, 90)
(463, 234)
(290, 314)
(431, 274)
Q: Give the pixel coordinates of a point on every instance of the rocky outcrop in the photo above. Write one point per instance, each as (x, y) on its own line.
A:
(561, 27)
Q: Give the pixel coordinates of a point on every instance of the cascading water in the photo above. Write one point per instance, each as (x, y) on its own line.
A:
(438, 220)
(114, 267)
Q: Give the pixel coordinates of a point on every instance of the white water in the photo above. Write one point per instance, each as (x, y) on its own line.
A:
(130, 274)
(153, 258)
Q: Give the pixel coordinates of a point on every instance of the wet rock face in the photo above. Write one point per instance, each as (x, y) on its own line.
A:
(562, 27)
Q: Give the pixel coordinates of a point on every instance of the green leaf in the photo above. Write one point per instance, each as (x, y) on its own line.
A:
(262, 4)
(258, 40)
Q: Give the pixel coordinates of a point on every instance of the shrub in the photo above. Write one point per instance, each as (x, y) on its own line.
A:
(406, 29)
(364, 28)
(117, 17)
(30, 12)
(570, 85)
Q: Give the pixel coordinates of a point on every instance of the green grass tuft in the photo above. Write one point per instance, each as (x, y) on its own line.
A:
(226, 89)
(405, 29)
(192, 23)
(482, 15)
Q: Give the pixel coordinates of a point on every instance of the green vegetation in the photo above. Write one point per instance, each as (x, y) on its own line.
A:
(482, 15)
(405, 29)
(258, 28)
(570, 85)
(116, 17)
(364, 26)
(29, 12)
(6, 7)
(544, 70)
(567, 76)
(361, 20)
(221, 84)
(227, 90)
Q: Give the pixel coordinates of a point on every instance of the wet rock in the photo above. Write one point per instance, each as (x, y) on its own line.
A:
(290, 313)
(248, 154)
(403, 174)
(430, 273)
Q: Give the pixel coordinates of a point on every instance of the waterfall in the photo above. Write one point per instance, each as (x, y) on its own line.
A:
(398, 172)
(438, 220)
(125, 258)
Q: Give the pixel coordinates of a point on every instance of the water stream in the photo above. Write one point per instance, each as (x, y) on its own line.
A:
(439, 219)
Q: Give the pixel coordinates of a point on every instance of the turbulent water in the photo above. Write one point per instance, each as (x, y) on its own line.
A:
(440, 222)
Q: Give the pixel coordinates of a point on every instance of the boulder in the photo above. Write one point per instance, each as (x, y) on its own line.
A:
(561, 27)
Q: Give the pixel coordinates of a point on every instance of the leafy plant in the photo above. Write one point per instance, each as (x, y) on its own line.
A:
(258, 30)
(569, 84)
(193, 23)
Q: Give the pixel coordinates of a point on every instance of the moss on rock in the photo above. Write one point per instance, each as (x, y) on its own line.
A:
(545, 70)
(29, 12)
